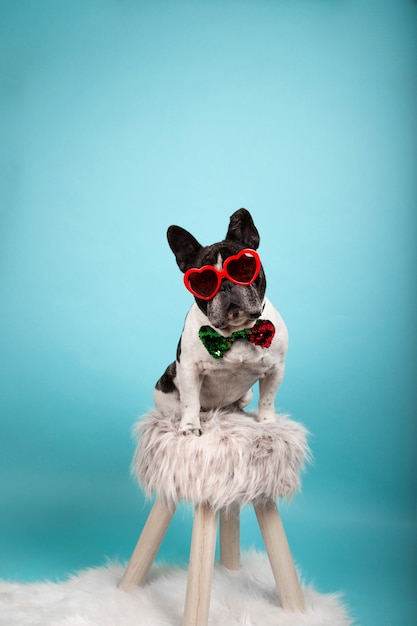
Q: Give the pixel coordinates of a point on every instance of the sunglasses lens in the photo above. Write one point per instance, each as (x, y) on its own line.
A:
(243, 269)
(203, 283)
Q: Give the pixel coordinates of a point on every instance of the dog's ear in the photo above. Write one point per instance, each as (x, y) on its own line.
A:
(243, 230)
(184, 246)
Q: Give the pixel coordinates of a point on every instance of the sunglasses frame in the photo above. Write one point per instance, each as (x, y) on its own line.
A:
(223, 273)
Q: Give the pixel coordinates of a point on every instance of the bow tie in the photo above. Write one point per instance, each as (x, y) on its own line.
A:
(261, 334)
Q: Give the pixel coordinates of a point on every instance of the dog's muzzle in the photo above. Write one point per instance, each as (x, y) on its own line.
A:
(234, 306)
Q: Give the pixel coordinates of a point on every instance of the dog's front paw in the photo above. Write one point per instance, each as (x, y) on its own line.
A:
(266, 416)
(189, 428)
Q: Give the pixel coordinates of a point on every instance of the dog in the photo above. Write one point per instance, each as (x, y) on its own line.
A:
(232, 336)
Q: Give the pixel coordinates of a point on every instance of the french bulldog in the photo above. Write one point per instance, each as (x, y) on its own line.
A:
(232, 336)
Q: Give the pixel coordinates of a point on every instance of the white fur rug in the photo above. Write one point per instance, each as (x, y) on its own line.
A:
(91, 598)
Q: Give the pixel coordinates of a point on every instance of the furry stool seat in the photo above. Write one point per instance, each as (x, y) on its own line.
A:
(236, 461)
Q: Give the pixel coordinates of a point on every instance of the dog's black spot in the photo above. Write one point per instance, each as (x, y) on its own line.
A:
(166, 382)
(179, 351)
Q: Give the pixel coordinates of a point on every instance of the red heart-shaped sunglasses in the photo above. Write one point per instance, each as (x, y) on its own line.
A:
(241, 269)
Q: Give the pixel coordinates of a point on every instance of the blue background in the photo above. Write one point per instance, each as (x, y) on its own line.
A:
(119, 118)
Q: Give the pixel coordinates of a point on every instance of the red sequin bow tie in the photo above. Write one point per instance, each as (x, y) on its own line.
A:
(261, 334)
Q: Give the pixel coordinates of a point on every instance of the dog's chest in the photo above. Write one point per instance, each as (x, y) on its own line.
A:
(226, 380)
(243, 358)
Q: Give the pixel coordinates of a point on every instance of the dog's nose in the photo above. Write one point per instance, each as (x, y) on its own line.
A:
(233, 314)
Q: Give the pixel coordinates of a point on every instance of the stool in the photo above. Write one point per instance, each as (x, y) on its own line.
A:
(236, 461)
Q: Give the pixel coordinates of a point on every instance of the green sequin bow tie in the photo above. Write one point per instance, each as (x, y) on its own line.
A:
(261, 334)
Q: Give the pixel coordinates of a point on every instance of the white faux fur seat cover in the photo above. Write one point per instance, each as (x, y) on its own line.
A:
(236, 459)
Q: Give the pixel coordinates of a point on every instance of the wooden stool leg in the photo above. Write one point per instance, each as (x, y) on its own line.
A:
(279, 554)
(147, 546)
(200, 569)
(230, 537)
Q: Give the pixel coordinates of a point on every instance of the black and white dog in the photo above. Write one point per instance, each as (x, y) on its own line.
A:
(232, 335)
